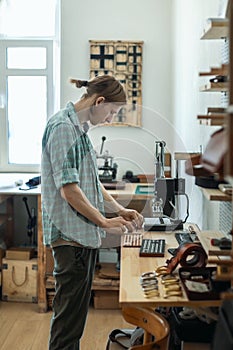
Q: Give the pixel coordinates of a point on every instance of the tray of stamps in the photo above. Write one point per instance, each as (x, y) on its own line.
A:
(152, 247)
(132, 240)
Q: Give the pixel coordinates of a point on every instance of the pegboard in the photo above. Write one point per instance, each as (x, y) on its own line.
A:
(225, 217)
(225, 60)
(123, 60)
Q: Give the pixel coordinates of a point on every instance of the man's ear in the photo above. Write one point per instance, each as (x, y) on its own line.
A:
(99, 100)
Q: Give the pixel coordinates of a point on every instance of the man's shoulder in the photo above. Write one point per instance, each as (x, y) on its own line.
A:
(60, 116)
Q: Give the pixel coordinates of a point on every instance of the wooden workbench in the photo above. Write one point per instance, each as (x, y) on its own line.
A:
(132, 266)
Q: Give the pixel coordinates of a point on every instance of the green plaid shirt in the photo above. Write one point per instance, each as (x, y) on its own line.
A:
(68, 157)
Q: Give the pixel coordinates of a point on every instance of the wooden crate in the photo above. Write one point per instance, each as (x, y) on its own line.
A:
(19, 280)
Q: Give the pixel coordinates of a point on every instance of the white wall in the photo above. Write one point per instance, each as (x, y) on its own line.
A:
(149, 21)
(173, 56)
(190, 56)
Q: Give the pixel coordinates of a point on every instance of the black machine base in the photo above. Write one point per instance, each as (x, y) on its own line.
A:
(156, 224)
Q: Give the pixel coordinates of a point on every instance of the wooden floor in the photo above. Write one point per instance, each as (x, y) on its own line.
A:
(23, 328)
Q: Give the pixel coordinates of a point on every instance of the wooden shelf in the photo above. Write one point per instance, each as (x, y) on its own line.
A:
(217, 28)
(223, 70)
(217, 119)
(213, 194)
(184, 155)
(215, 87)
(205, 239)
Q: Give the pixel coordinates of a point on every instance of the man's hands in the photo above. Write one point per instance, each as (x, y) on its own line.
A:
(128, 220)
(135, 220)
(132, 219)
(116, 225)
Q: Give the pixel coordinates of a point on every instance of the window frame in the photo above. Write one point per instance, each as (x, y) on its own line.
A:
(48, 44)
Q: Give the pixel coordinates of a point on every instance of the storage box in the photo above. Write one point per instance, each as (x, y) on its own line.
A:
(19, 280)
(106, 299)
(20, 253)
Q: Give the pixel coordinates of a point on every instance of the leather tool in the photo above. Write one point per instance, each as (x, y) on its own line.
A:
(199, 257)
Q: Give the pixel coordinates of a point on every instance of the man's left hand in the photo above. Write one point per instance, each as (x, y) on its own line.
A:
(135, 219)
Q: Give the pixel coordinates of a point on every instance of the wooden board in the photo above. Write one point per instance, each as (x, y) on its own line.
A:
(218, 87)
(20, 253)
(217, 119)
(214, 194)
(223, 70)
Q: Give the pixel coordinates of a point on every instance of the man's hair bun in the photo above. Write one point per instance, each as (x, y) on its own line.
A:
(79, 83)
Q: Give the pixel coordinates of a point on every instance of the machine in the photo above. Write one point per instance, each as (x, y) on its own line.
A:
(108, 169)
(167, 192)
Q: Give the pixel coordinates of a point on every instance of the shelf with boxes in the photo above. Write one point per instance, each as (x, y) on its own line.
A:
(218, 82)
(217, 28)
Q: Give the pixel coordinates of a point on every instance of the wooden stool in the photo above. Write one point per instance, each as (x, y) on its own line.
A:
(154, 325)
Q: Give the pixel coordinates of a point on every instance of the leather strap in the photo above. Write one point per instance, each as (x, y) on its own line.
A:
(199, 257)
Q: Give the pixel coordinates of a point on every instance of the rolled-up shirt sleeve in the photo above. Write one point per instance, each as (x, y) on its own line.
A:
(64, 156)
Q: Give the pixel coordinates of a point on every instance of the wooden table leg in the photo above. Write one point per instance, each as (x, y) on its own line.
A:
(42, 298)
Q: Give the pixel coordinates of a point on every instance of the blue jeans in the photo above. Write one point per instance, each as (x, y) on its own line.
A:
(73, 271)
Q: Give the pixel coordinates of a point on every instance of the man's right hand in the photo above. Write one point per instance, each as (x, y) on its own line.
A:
(117, 225)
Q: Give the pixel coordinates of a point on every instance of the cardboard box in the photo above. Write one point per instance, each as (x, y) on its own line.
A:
(106, 299)
(19, 280)
(20, 253)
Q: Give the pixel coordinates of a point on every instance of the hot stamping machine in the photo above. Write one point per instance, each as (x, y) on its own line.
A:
(165, 204)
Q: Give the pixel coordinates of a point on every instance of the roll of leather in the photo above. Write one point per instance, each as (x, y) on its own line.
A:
(199, 257)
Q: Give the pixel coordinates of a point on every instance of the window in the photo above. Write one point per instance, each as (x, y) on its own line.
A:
(27, 80)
